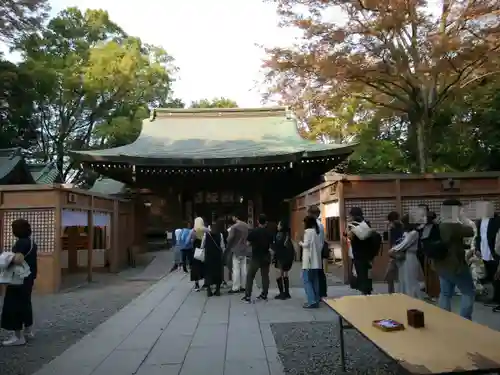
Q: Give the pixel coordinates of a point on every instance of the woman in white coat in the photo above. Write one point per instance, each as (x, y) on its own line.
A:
(405, 253)
(311, 261)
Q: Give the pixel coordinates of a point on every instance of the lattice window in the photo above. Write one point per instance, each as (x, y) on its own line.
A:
(42, 225)
(435, 204)
(374, 210)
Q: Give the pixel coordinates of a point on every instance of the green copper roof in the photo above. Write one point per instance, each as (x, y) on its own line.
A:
(11, 160)
(107, 186)
(45, 173)
(216, 136)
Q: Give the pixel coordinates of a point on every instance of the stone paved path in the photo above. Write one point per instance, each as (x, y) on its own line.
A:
(171, 330)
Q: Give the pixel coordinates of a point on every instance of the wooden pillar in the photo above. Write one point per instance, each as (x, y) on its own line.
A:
(90, 245)
(346, 261)
(251, 213)
(57, 274)
(116, 244)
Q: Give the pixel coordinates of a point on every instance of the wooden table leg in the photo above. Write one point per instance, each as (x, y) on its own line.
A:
(342, 348)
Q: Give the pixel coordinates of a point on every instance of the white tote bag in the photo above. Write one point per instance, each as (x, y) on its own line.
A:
(362, 230)
(199, 254)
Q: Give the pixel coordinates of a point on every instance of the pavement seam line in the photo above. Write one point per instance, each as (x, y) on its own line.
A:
(227, 334)
(196, 328)
(170, 321)
(126, 337)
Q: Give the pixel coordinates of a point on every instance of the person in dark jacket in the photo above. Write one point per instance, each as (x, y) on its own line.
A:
(17, 311)
(361, 260)
(213, 243)
(283, 259)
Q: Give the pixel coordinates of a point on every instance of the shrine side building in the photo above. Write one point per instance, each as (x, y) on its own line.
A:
(214, 162)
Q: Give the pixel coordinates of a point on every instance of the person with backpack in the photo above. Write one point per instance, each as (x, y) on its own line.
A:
(405, 257)
(284, 254)
(366, 244)
(444, 247)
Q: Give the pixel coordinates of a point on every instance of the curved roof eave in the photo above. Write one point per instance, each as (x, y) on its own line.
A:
(193, 162)
(212, 137)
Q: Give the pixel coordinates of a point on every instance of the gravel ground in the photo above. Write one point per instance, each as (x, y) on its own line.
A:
(62, 319)
(313, 349)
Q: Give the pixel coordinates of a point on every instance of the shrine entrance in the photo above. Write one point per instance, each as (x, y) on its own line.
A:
(220, 205)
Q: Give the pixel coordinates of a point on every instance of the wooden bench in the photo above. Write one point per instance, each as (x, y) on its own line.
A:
(448, 344)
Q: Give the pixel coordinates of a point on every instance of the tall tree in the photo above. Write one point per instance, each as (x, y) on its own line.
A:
(88, 71)
(214, 103)
(125, 126)
(17, 125)
(21, 17)
(407, 56)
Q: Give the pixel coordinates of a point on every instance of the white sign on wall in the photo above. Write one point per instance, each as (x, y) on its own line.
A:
(332, 209)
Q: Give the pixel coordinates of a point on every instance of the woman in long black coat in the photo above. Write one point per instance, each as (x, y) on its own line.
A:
(284, 255)
(213, 243)
(17, 312)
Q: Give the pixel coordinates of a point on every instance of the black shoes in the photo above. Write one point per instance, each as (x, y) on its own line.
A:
(308, 306)
(284, 288)
(262, 297)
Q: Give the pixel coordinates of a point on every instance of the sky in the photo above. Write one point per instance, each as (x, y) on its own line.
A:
(215, 43)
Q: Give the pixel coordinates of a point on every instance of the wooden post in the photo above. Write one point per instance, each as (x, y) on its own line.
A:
(346, 261)
(399, 201)
(115, 239)
(57, 276)
(90, 245)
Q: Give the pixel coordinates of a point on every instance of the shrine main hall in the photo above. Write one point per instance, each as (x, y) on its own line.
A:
(212, 162)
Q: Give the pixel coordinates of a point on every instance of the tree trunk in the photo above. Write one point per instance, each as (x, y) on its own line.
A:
(60, 162)
(421, 149)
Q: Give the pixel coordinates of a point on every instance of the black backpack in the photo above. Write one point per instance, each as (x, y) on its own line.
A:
(325, 251)
(373, 244)
(433, 246)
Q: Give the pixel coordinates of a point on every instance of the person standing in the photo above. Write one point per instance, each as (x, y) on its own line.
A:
(284, 254)
(197, 266)
(177, 249)
(226, 258)
(405, 257)
(238, 250)
(486, 245)
(260, 239)
(315, 212)
(17, 310)
(395, 232)
(213, 243)
(362, 257)
(451, 267)
(186, 246)
(311, 261)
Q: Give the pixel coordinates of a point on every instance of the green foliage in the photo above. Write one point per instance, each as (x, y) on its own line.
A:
(214, 103)
(21, 17)
(17, 128)
(93, 82)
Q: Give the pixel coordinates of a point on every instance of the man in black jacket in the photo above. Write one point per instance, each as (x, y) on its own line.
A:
(361, 260)
(485, 245)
